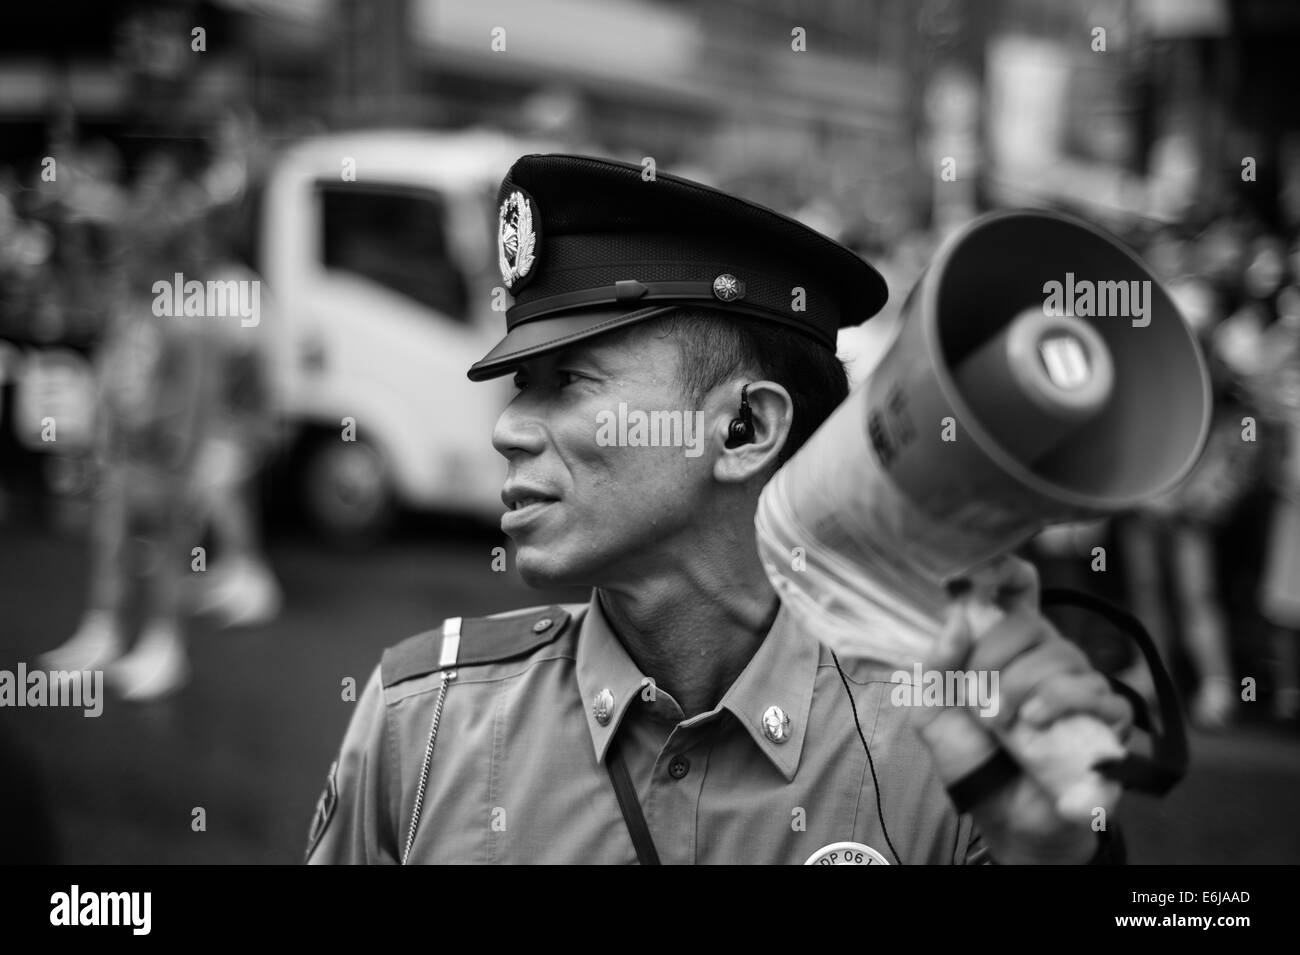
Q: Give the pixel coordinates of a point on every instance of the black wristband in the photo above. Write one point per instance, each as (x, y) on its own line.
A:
(1110, 849)
(989, 776)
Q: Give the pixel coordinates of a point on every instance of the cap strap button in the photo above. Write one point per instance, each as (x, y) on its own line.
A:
(628, 289)
(728, 288)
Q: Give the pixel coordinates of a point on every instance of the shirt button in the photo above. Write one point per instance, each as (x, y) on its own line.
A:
(679, 767)
(603, 706)
(542, 625)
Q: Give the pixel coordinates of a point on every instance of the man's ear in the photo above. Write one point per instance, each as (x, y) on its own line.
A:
(772, 413)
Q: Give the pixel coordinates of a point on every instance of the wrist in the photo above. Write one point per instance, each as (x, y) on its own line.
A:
(1073, 847)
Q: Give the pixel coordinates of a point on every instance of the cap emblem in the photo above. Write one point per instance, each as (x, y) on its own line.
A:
(516, 238)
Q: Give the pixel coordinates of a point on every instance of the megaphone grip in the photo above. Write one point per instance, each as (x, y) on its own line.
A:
(1061, 757)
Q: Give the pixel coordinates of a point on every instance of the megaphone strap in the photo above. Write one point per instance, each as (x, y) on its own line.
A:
(1141, 715)
(1167, 765)
(1155, 774)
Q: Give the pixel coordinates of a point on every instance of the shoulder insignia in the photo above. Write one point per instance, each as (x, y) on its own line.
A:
(482, 640)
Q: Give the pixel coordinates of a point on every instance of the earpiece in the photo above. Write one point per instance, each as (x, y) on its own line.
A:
(741, 429)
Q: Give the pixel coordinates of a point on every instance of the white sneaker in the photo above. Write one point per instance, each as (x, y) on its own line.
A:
(1213, 705)
(97, 643)
(157, 666)
(242, 594)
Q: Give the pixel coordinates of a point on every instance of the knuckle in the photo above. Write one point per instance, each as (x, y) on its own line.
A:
(1099, 684)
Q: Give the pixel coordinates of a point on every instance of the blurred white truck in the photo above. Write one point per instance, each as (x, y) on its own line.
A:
(378, 252)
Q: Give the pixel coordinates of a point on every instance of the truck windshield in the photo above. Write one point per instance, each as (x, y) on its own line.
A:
(394, 236)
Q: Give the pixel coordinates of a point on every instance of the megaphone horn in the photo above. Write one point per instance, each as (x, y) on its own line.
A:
(1039, 374)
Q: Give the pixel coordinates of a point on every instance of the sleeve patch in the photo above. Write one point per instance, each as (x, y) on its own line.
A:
(325, 806)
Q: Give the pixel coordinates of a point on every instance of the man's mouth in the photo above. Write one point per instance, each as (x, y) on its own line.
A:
(520, 503)
(523, 508)
(516, 497)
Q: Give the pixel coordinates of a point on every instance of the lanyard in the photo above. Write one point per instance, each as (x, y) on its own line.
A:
(637, 827)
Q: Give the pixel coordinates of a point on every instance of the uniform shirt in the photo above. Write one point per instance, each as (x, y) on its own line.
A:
(517, 773)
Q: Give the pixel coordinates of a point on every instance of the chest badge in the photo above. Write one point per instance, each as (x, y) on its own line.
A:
(846, 853)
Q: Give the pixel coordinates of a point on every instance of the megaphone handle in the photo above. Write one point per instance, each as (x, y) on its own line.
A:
(1062, 757)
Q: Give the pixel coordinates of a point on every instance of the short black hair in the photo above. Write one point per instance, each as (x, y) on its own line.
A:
(716, 346)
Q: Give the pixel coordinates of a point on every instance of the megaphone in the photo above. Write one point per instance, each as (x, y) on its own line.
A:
(1039, 375)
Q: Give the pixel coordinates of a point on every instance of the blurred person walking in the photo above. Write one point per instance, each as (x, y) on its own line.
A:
(241, 589)
(1262, 344)
(153, 405)
(1178, 532)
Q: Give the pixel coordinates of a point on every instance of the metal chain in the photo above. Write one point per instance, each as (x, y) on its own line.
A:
(424, 770)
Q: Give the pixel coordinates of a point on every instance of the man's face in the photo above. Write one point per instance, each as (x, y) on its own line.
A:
(583, 509)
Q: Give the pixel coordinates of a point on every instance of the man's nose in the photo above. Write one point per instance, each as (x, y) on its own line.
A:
(518, 431)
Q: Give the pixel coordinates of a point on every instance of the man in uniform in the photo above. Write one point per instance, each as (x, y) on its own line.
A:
(672, 346)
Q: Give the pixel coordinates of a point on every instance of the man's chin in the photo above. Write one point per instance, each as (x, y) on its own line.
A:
(540, 569)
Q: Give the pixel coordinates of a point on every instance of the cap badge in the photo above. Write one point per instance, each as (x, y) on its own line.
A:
(516, 238)
(728, 288)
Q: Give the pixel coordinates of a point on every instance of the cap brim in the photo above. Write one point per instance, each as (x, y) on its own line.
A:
(551, 334)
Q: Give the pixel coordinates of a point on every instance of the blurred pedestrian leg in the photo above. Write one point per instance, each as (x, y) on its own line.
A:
(1203, 621)
(158, 664)
(241, 589)
(98, 639)
(1139, 540)
(1280, 604)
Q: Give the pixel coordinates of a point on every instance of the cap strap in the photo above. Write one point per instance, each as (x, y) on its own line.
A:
(627, 290)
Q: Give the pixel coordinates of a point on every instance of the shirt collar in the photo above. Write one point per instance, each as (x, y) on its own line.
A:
(603, 664)
(780, 674)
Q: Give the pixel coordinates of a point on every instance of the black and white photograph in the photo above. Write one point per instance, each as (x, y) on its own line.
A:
(616, 432)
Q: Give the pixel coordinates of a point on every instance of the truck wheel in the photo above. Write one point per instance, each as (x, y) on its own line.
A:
(347, 493)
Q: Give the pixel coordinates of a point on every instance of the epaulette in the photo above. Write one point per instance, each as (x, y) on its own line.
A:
(477, 640)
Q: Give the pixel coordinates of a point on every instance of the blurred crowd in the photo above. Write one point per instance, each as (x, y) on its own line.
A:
(1238, 285)
(176, 413)
(1213, 569)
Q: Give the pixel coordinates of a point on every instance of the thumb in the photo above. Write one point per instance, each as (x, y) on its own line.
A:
(950, 650)
(954, 643)
(953, 734)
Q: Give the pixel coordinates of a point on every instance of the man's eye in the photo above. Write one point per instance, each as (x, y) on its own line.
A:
(561, 378)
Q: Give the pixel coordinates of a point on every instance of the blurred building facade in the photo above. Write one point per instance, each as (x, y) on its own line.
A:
(842, 109)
